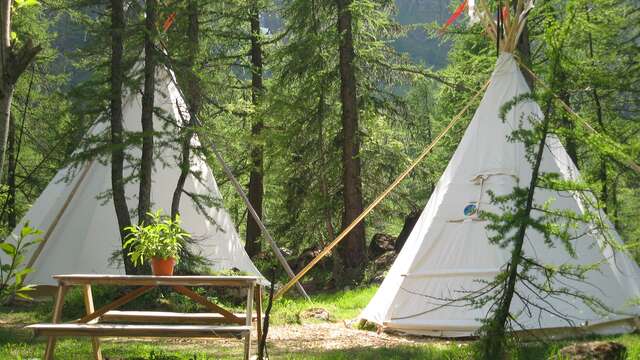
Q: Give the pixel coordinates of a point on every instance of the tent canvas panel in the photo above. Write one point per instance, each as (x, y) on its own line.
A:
(448, 253)
(86, 236)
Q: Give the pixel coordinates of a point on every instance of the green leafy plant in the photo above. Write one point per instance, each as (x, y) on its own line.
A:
(12, 273)
(163, 237)
(26, 3)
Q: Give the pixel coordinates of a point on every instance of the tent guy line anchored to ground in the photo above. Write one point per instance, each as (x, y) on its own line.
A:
(238, 187)
(383, 195)
(355, 222)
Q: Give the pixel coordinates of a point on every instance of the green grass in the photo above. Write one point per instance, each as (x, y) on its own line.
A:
(24, 347)
(341, 305)
(12, 347)
(74, 349)
(16, 343)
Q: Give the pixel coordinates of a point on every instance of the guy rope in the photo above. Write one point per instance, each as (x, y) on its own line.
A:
(629, 162)
(381, 197)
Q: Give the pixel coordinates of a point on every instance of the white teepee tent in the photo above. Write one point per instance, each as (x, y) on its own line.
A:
(448, 249)
(77, 215)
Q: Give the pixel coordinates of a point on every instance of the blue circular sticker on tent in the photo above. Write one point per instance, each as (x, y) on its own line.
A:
(470, 209)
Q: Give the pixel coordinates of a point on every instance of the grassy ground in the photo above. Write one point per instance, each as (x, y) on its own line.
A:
(16, 343)
(340, 305)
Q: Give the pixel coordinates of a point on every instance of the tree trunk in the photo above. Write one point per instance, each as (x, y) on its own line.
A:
(6, 88)
(604, 195)
(117, 127)
(495, 336)
(409, 222)
(6, 97)
(256, 180)
(352, 250)
(13, 63)
(602, 174)
(146, 165)
(324, 188)
(614, 203)
(571, 146)
(193, 93)
(524, 48)
(11, 175)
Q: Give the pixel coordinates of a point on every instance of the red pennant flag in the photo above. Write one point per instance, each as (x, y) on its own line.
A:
(167, 23)
(454, 16)
(505, 13)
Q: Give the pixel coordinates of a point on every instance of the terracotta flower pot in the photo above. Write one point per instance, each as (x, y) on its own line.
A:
(162, 267)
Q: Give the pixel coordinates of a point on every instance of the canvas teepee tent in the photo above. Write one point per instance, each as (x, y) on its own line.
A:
(77, 216)
(448, 250)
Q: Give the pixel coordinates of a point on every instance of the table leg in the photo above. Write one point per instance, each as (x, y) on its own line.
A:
(249, 314)
(88, 306)
(259, 314)
(57, 316)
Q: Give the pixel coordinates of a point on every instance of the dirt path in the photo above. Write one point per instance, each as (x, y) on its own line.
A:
(330, 336)
(313, 337)
(294, 338)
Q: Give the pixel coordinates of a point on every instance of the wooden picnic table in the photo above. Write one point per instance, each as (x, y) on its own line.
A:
(107, 321)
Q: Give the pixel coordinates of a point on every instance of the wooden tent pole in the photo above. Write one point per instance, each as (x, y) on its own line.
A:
(381, 197)
(256, 217)
(58, 216)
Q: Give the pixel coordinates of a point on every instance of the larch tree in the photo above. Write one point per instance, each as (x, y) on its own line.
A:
(39, 120)
(238, 44)
(352, 249)
(117, 126)
(307, 93)
(256, 174)
(148, 106)
(193, 93)
(304, 92)
(15, 57)
(562, 229)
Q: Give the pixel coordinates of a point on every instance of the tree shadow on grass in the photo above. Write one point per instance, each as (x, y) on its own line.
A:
(13, 335)
(397, 352)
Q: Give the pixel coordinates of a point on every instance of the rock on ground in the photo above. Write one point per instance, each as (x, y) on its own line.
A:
(595, 350)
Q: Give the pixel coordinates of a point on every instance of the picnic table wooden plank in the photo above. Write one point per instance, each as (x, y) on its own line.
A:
(57, 316)
(258, 301)
(169, 317)
(247, 337)
(126, 298)
(151, 280)
(199, 324)
(125, 330)
(88, 306)
(207, 304)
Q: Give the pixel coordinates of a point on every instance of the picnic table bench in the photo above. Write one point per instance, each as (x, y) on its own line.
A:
(107, 321)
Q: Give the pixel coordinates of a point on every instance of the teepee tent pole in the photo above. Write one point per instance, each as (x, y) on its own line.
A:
(58, 216)
(253, 212)
(256, 217)
(383, 195)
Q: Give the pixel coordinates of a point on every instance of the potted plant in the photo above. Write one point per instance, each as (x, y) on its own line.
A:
(160, 241)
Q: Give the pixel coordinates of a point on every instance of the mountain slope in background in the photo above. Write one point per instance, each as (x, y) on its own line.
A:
(422, 49)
